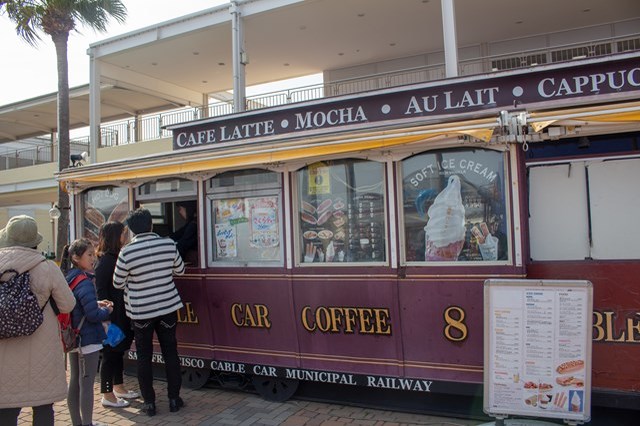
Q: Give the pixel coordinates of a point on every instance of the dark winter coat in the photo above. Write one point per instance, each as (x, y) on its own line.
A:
(104, 286)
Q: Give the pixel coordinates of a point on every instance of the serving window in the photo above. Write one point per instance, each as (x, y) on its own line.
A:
(454, 206)
(173, 206)
(246, 218)
(100, 205)
(341, 212)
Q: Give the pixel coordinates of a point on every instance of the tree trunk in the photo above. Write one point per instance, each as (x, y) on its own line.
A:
(60, 42)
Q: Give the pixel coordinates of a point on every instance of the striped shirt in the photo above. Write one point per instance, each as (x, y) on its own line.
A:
(145, 270)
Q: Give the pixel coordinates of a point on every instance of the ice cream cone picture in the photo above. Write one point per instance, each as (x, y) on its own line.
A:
(445, 230)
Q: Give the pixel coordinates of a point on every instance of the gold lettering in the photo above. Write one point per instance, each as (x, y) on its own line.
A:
(305, 319)
(365, 321)
(350, 320)
(455, 330)
(336, 319)
(262, 314)
(597, 326)
(382, 321)
(256, 316)
(236, 307)
(610, 321)
(633, 330)
(187, 315)
(322, 319)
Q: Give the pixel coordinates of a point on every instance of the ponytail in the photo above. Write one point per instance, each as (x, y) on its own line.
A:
(65, 261)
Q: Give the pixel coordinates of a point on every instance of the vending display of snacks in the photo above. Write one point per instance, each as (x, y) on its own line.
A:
(342, 221)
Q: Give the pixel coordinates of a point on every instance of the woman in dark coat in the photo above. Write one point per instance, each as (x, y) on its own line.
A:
(114, 394)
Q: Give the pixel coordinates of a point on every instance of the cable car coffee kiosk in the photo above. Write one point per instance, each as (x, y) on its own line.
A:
(347, 240)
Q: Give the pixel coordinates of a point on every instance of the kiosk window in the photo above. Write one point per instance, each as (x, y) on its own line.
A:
(246, 216)
(100, 205)
(173, 206)
(341, 212)
(454, 206)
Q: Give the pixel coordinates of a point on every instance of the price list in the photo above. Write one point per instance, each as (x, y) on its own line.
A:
(531, 332)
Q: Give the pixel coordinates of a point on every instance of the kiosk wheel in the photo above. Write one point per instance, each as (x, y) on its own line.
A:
(195, 378)
(274, 389)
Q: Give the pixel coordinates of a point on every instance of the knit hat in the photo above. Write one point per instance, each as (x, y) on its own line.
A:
(20, 231)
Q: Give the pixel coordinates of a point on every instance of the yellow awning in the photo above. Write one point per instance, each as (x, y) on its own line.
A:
(257, 154)
(622, 112)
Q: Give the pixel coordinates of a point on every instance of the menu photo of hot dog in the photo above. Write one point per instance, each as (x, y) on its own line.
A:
(571, 366)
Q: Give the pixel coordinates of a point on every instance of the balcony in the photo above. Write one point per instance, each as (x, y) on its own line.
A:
(152, 127)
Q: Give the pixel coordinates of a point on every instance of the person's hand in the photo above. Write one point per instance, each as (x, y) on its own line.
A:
(105, 303)
(309, 253)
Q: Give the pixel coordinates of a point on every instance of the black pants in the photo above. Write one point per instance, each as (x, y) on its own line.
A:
(111, 369)
(165, 329)
(42, 415)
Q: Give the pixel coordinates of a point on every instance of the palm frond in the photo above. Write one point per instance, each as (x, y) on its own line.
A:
(26, 16)
(96, 14)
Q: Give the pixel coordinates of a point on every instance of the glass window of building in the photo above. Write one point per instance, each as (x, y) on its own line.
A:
(246, 218)
(454, 206)
(341, 212)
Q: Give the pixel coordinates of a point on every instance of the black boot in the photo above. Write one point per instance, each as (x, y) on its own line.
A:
(149, 408)
(175, 404)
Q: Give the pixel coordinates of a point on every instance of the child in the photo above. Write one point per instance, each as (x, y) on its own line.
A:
(84, 364)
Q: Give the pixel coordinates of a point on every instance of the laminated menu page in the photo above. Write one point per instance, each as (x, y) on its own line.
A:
(538, 348)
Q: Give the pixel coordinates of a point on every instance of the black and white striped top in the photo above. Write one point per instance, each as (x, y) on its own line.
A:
(145, 270)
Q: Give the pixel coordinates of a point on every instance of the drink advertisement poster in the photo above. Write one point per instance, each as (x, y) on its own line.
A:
(264, 222)
(537, 348)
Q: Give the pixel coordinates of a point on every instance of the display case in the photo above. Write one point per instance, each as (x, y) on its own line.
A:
(341, 212)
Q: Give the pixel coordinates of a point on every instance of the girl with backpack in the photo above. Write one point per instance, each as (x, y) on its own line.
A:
(91, 312)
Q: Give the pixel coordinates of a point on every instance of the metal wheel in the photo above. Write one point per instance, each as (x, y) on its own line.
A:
(274, 388)
(195, 378)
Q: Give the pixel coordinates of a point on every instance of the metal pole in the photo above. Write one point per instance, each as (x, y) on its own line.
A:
(239, 59)
(94, 107)
(450, 43)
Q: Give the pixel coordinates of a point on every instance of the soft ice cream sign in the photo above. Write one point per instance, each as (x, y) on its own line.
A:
(453, 165)
(553, 85)
(456, 193)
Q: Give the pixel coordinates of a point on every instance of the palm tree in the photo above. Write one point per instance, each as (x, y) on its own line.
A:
(57, 18)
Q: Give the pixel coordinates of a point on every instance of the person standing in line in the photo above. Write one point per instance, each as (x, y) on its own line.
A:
(84, 362)
(145, 270)
(32, 371)
(112, 237)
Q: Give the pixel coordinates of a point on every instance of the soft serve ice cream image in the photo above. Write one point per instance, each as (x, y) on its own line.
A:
(445, 230)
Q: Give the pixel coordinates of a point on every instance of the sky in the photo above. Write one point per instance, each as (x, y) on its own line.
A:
(28, 71)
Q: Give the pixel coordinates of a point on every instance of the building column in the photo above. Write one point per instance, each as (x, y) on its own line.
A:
(94, 107)
(239, 59)
(450, 42)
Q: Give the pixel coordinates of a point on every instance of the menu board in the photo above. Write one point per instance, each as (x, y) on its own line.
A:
(537, 348)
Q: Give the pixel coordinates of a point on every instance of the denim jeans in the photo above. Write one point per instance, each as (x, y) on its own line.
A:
(165, 329)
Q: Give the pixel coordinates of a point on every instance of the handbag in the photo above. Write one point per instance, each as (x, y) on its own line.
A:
(70, 336)
(114, 336)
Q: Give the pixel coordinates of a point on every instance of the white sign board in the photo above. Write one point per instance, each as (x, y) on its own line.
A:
(537, 348)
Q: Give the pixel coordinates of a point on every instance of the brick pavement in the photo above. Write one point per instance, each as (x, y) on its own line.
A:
(228, 407)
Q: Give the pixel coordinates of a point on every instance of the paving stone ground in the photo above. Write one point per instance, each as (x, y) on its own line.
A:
(228, 407)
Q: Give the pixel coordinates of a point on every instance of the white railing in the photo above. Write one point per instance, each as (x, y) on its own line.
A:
(152, 127)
